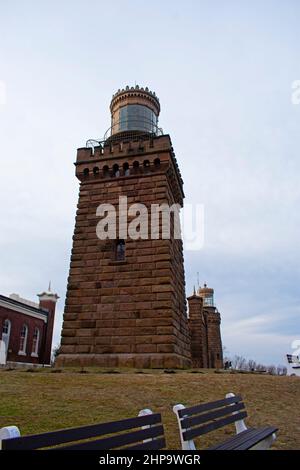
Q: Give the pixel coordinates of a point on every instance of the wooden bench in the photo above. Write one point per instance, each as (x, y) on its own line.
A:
(146, 432)
(202, 419)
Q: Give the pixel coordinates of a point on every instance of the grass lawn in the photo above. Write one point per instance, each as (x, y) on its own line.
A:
(44, 401)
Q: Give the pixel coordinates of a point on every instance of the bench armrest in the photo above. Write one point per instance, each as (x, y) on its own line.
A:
(240, 425)
(9, 432)
(185, 445)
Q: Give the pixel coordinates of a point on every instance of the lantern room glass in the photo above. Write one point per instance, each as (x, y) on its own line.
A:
(136, 117)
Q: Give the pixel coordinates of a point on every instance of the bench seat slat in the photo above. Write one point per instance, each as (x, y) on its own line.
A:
(200, 430)
(245, 440)
(209, 406)
(235, 440)
(116, 441)
(205, 417)
(75, 434)
(260, 435)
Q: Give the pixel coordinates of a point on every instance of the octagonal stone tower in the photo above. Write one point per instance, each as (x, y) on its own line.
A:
(125, 304)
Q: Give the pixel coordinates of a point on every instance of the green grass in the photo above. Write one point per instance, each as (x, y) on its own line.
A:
(44, 401)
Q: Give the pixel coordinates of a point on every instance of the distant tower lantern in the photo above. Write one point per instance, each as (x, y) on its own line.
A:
(207, 294)
(134, 109)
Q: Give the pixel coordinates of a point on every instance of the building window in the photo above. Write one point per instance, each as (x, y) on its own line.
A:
(23, 340)
(35, 342)
(126, 169)
(6, 333)
(136, 166)
(116, 171)
(120, 250)
(6, 327)
(105, 171)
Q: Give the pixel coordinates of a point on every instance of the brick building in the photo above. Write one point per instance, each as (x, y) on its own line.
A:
(26, 328)
(125, 303)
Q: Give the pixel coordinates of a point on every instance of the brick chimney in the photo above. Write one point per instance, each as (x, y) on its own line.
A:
(48, 302)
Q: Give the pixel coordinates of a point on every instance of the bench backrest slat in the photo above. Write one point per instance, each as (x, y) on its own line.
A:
(117, 441)
(50, 439)
(155, 444)
(209, 406)
(206, 417)
(199, 431)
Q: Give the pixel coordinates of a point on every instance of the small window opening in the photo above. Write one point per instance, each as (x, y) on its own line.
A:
(120, 250)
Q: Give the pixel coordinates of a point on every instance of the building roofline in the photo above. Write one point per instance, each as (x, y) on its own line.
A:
(29, 308)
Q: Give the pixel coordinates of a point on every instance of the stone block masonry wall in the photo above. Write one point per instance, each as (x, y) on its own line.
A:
(198, 332)
(214, 342)
(129, 313)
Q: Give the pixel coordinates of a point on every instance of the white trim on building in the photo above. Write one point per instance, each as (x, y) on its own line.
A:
(24, 310)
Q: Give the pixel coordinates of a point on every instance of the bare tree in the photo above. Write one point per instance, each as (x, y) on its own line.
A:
(226, 357)
(272, 369)
(251, 365)
(281, 370)
(261, 367)
(55, 353)
(239, 362)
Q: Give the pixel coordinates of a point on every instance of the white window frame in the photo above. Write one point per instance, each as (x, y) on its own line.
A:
(6, 341)
(22, 352)
(9, 327)
(35, 347)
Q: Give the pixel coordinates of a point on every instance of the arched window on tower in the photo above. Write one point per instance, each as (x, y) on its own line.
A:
(136, 166)
(126, 169)
(23, 340)
(105, 171)
(35, 342)
(120, 250)
(86, 172)
(116, 171)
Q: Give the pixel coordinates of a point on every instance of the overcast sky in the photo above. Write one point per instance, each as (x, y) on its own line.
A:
(223, 71)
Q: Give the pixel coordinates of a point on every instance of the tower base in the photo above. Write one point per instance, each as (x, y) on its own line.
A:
(138, 361)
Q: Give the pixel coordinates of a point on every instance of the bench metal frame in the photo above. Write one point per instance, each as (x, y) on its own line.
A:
(186, 419)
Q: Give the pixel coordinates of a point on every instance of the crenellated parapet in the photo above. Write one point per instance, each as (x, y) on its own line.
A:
(130, 159)
(137, 93)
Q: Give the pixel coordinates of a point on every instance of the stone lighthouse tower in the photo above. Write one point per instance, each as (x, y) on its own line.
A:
(212, 320)
(204, 322)
(125, 304)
